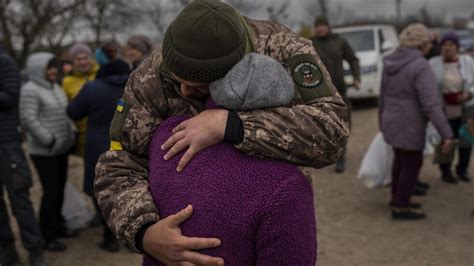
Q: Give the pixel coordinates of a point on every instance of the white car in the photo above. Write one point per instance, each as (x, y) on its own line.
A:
(370, 43)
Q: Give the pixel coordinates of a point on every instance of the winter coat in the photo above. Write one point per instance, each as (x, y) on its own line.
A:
(466, 69)
(333, 49)
(72, 84)
(261, 210)
(43, 111)
(97, 101)
(9, 95)
(408, 99)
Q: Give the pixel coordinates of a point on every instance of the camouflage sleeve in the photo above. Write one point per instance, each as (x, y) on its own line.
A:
(311, 132)
(121, 186)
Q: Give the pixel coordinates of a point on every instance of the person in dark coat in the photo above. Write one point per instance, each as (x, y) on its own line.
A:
(16, 175)
(333, 50)
(97, 100)
(408, 99)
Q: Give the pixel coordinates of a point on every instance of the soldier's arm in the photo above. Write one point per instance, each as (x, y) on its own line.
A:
(121, 185)
(311, 132)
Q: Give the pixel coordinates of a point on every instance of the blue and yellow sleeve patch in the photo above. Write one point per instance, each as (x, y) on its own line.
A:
(120, 105)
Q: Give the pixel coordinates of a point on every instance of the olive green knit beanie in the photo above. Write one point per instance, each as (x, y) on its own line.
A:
(204, 41)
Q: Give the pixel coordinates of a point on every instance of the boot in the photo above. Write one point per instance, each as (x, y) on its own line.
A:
(463, 176)
(449, 178)
(36, 258)
(9, 255)
(110, 245)
(407, 215)
(423, 185)
(54, 245)
(418, 191)
(411, 205)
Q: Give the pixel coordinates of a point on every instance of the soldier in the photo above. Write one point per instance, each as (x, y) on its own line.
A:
(201, 45)
(333, 49)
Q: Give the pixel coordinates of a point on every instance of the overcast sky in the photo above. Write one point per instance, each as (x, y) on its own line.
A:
(304, 11)
(298, 9)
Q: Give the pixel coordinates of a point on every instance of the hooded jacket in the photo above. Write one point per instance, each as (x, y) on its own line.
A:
(97, 101)
(43, 110)
(9, 95)
(409, 98)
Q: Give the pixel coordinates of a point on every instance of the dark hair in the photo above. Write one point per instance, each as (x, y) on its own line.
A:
(52, 63)
(110, 50)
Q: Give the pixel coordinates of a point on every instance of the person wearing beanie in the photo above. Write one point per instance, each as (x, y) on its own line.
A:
(455, 79)
(408, 99)
(203, 43)
(333, 50)
(84, 70)
(137, 49)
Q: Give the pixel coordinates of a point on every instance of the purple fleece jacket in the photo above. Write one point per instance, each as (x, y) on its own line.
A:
(261, 210)
(408, 99)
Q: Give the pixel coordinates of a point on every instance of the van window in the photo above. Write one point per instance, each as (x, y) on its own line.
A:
(360, 41)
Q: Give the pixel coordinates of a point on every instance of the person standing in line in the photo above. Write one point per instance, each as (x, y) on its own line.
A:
(84, 70)
(455, 78)
(333, 49)
(16, 174)
(97, 101)
(137, 49)
(50, 137)
(408, 99)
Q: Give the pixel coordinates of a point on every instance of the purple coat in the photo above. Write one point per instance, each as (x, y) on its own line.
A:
(409, 98)
(261, 210)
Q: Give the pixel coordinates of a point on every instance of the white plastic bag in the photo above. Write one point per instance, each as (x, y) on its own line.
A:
(376, 167)
(75, 211)
(433, 139)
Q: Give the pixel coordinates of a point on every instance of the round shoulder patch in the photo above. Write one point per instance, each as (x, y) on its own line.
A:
(307, 75)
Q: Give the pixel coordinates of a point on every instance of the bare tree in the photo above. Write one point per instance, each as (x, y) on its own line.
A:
(25, 23)
(160, 13)
(279, 13)
(244, 6)
(110, 16)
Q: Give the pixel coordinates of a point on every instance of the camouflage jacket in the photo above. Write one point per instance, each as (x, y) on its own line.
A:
(310, 132)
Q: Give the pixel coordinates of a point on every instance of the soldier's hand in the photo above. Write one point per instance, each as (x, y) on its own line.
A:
(196, 134)
(165, 242)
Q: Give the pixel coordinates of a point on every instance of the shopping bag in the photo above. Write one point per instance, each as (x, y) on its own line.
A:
(433, 139)
(75, 210)
(444, 158)
(376, 167)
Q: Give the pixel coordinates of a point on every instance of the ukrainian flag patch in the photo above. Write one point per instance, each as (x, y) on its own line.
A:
(120, 105)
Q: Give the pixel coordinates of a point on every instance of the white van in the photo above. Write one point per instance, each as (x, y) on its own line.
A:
(370, 43)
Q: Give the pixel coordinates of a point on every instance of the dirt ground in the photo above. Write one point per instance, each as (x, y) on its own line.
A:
(354, 226)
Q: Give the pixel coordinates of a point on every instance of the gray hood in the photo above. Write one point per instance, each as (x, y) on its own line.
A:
(36, 68)
(255, 82)
(394, 62)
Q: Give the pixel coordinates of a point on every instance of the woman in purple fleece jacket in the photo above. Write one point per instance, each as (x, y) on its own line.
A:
(261, 210)
(408, 99)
